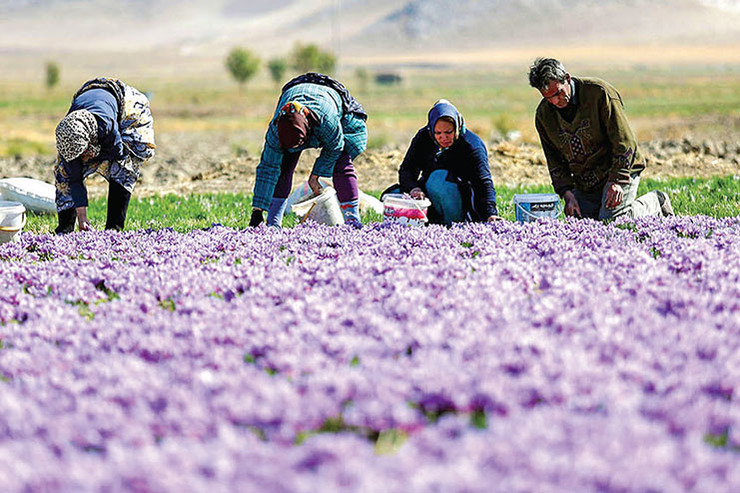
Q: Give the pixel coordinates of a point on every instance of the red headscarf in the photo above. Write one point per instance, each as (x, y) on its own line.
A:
(293, 125)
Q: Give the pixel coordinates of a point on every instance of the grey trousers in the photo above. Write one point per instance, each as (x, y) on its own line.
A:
(592, 204)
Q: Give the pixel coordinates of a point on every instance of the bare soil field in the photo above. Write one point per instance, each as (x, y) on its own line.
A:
(201, 163)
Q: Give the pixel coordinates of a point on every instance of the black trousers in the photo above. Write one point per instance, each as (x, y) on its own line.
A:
(118, 199)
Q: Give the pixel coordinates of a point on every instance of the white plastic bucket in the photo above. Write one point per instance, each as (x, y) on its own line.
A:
(302, 191)
(12, 220)
(532, 206)
(322, 208)
(402, 209)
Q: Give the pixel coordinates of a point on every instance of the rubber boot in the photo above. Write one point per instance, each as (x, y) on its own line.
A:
(118, 200)
(276, 212)
(67, 220)
(351, 213)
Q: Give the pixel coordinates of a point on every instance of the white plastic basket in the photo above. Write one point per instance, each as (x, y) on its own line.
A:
(402, 209)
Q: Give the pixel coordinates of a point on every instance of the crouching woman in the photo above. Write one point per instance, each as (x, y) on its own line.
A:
(448, 164)
(108, 130)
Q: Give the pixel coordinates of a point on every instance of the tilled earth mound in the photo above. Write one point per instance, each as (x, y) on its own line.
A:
(198, 164)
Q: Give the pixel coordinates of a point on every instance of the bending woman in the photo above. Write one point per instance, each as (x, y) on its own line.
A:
(449, 164)
(314, 111)
(108, 130)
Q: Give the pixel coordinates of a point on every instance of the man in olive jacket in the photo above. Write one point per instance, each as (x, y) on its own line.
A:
(592, 153)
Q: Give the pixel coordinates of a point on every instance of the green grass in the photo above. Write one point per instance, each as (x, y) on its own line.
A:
(23, 147)
(166, 211)
(717, 197)
(29, 101)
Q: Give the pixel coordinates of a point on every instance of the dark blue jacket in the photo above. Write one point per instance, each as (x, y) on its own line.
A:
(104, 106)
(466, 162)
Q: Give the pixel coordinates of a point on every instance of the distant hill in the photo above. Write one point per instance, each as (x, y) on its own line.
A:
(355, 28)
(436, 23)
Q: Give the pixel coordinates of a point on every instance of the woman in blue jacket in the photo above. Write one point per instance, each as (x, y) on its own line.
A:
(108, 130)
(449, 164)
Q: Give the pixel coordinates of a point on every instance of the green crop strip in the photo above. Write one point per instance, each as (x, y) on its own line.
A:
(716, 197)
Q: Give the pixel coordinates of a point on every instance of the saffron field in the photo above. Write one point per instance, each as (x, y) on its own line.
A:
(559, 356)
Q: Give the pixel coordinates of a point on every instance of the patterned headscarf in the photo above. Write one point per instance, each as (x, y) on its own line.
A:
(293, 125)
(75, 133)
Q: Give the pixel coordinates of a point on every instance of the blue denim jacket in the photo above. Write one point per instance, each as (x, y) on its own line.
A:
(334, 133)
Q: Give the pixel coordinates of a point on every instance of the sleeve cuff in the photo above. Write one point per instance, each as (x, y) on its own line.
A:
(561, 191)
(620, 178)
(79, 194)
(321, 169)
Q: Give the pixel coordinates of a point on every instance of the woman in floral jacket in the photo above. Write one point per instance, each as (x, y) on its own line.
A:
(109, 129)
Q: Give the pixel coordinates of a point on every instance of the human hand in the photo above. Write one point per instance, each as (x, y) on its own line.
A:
(313, 183)
(614, 195)
(417, 193)
(83, 223)
(571, 204)
(257, 218)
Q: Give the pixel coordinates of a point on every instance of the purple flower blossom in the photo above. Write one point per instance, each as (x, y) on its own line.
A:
(549, 356)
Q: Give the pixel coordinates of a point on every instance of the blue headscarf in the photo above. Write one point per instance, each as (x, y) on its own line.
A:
(445, 108)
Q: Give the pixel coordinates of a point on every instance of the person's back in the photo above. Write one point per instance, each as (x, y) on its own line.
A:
(322, 100)
(325, 105)
(104, 106)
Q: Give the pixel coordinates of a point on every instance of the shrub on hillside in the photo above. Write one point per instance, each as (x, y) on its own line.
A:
(52, 74)
(311, 58)
(242, 64)
(277, 68)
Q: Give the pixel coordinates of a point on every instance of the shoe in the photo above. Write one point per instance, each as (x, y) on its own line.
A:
(665, 204)
(351, 221)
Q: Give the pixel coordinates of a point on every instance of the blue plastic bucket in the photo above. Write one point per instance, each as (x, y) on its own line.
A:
(532, 206)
